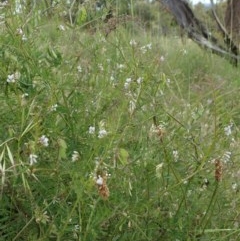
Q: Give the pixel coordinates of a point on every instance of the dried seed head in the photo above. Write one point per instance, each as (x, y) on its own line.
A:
(103, 190)
(218, 170)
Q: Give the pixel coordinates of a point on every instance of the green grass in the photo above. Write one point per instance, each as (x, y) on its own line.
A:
(165, 129)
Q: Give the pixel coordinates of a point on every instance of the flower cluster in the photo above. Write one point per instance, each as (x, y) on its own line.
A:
(12, 78)
(43, 140)
(228, 129)
(145, 48)
(159, 130)
(75, 156)
(102, 130)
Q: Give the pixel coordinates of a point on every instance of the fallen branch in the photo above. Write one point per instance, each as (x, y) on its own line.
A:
(198, 33)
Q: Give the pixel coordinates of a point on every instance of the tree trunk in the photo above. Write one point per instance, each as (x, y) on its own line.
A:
(232, 20)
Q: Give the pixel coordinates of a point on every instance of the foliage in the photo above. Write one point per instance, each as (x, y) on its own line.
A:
(127, 137)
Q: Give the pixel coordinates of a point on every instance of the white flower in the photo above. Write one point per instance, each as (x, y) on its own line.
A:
(99, 181)
(132, 106)
(228, 130)
(234, 186)
(11, 79)
(139, 80)
(120, 66)
(149, 46)
(127, 83)
(32, 159)
(128, 80)
(75, 156)
(112, 78)
(143, 49)
(43, 140)
(24, 38)
(5, 3)
(61, 27)
(175, 155)
(79, 69)
(226, 157)
(162, 58)
(184, 51)
(54, 107)
(24, 95)
(91, 130)
(76, 227)
(102, 133)
(19, 31)
(133, 42)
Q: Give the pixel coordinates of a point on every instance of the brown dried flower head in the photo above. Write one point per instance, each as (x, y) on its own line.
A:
(218, 170)
(103, 190)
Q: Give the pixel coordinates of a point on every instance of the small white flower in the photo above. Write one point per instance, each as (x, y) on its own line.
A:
(11, 78)
(132, 106)
(127, 83)
(32, 159)
(133, 42)
(228, 130)
(54, 107)
(234, 186)
(162, 59)
(120, 66)
(143, 49)
(19, 31)
(79, 69)
(61, 27)
(43, 140)
(91, 130)
(102, 133)
(99, 181)
(139, 80)
(149, 46)
(226, 157)
(128, 80)
(184, 51)
(3, 4)
(175, 155)
(75, 156)
(24, 38)
(24, 95)
(76, 227)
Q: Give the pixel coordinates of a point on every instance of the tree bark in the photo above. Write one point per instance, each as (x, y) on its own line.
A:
(232, 19)
(198, 33)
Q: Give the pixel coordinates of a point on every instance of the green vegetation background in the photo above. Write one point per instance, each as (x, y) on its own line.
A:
(129, 136)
